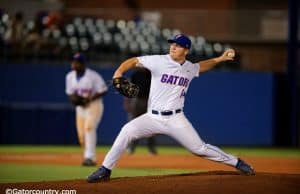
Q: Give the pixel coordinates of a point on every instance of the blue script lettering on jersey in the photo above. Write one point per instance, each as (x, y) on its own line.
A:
(82, 91)
(175, 80)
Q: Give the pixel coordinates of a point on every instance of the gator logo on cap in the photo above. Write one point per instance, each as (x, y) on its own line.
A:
(177, 36)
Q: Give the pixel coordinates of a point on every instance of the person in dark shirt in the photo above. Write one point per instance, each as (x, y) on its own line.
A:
(138, 106)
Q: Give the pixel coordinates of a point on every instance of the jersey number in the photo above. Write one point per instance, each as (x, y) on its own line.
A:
(182, 93)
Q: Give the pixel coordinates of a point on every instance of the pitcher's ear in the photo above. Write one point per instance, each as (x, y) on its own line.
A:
(186, 51)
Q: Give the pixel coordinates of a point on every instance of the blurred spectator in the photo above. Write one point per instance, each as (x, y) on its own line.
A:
(34, 39)
(52, 20)
(2, 31)
(138, 106)
(14, 33)
(134, 6)
(13, 36)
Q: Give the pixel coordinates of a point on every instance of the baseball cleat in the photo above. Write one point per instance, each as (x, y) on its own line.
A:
(244, 168)
(152, 151)
(100, 175)
(88, 162)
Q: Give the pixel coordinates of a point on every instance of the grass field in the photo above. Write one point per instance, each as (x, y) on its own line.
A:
(16, 172)
(253, 151)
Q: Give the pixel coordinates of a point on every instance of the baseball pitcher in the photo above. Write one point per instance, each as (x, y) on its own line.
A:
(171, 77)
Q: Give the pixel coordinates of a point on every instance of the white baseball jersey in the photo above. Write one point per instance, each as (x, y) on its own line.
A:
(87, 118)
(90, 83)
(170, 81)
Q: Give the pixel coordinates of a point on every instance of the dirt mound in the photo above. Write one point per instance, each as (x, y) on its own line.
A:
(208, 182)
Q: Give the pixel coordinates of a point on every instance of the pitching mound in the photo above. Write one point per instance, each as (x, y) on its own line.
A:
(208, 182)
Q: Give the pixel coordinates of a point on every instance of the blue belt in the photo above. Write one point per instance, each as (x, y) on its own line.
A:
(166, 112)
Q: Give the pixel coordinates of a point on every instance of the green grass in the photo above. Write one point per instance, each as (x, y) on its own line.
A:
(265, 152)
(173, 150)
(11, 173)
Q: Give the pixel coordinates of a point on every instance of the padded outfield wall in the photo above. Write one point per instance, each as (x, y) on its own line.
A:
(227, 108)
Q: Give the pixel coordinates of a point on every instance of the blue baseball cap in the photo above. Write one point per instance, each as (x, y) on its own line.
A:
(181, 39)
(80, 57)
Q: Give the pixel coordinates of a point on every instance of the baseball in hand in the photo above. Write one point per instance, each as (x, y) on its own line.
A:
(230, 54)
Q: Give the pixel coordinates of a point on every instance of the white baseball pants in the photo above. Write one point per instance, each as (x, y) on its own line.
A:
(87, 120)
(176, 126)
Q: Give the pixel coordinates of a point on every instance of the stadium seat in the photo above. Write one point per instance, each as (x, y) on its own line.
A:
(113, 38)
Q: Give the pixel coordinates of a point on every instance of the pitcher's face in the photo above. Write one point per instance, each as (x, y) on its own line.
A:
(177, 52)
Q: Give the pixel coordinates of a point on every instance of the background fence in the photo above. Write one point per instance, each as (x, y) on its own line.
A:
(227, 108)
